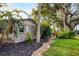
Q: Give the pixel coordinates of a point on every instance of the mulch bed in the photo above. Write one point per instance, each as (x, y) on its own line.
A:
(20, 49)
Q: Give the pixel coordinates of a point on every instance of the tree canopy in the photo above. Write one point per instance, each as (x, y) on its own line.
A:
(65, 15)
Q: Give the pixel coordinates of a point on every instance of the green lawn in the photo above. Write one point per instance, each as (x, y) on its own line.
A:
(63, 47)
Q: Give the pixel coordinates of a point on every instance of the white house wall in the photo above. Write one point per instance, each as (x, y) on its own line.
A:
(20, 38)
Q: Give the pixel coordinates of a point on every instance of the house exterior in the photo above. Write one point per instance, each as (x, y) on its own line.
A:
(29, 26)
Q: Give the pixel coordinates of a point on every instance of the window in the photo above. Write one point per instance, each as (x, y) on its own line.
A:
(21, 29)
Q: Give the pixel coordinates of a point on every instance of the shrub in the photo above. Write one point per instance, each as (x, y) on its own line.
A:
(28, 38)
(55, 33)
(45, 30)
(66, 35)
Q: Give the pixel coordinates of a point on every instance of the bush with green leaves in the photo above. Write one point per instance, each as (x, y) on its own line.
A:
(45, 30)
(66, 35)
(28, 38)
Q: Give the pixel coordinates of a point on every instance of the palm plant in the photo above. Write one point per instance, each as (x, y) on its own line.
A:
(18, 22)
(10, 22)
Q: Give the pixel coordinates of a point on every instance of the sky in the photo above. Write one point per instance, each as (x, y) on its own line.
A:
(22, 6)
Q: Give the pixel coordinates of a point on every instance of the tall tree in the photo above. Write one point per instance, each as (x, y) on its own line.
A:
(60, 13)
(39, 20)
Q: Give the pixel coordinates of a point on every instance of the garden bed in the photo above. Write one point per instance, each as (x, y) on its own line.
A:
(21, 49)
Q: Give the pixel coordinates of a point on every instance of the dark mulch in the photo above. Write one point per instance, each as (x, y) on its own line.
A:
(20, 49)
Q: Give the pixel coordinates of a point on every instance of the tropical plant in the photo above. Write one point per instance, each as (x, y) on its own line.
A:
(11, 22)
(45, 30)
(28, 38)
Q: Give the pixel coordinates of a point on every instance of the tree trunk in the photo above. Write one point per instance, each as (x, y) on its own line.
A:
(38, 32)
(64, 25)
(38, 26)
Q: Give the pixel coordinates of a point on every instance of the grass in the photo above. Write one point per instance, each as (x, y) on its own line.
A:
(63, 47)
(77, 36)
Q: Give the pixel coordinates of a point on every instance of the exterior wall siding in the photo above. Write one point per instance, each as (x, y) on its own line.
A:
(22, 35)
